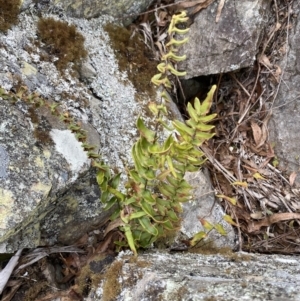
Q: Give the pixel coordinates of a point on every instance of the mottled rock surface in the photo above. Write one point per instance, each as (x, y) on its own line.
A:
(228, 45)
(36, 176)
(125, 10)
(49, 192)
(4, 159)
(185, 276)
(285, 123)
(205, 206)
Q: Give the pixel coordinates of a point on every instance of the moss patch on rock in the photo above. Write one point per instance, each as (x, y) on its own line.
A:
(62, 40)
(9, 11)
(112, 286)
(134, 57)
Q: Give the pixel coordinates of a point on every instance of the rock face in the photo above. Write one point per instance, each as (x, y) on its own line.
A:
(208, 209)
(126, 10)
(285, 123)
(228, 45)
(49, 193)
(179, 276)
(48, 189)
(36, 176)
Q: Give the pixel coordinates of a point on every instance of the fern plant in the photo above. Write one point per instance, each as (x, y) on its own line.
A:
(151, 204)
(156, 187)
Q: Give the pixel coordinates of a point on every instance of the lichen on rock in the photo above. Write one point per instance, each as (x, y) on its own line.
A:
(4, 160)
(125, 10)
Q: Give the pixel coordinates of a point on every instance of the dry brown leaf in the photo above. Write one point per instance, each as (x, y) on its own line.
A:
(282, 50)
(264, 132)
(257, 133)
(278, 26)
(227, 160)
(263, 59)
(275, 218)
(162, 18)
(13, 286)
(113, 225)
(102, 247)
(219, 10)
(187, 4)
(277, 73)
(295, 205)
(269, 151)
(292, 178)
(253, 168)
(160, 47)
(199, 4)
(257, 215)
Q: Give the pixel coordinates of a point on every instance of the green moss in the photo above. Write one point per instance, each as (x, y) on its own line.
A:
(211, 298)
(9, 11)
(42, 136)
(101, 268)
(40, 133)
(33, 115)
(112, 286)
(179, 294)
(134, 57)
(209, 248)
(63, 41)
(89, 276)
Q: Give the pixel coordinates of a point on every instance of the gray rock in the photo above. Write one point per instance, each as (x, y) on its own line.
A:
(49, 195)
(185, 276)
(87, 72)
(125, 10)
(205, 206)
(4, 160)
(228, 45)
(36, 180)
(285, 123)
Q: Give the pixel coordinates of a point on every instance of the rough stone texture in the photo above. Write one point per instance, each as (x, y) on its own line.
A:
(204, 206)
(228, 45)
(48, 191)
(4, 159)
(285, 123)
(126, 10)
(36, 181)
(74, 213)
(185, 276)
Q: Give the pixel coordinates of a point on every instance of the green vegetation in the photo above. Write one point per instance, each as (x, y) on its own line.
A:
(150, 206)
(156, 186)
(134, 57)
(9, 11)
(63, 41)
